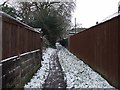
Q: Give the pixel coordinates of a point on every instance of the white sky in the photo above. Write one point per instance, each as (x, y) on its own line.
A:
(88, 12)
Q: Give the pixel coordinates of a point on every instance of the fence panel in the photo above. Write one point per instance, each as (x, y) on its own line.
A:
(99, 47)
(20, 52)
(18, 38)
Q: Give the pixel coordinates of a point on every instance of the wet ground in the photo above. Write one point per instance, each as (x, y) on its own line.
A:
(55, 78)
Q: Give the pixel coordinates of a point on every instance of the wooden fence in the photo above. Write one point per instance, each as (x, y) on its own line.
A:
(99, 47)
(18, 38)
(20, 51)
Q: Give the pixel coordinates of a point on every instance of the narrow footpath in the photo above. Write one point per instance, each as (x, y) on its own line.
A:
(62, 70)
(55, 77)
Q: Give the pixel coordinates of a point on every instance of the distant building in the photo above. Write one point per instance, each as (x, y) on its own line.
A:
(74, 31)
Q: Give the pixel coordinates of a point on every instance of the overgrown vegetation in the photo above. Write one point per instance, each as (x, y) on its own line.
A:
(53, 18)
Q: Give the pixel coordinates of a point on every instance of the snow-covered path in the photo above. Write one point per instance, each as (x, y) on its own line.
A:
(77, 73)
(39, 78)
(55, 77)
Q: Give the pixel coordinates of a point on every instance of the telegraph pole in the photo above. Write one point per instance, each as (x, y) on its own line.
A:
(75, 25)
(119, 7)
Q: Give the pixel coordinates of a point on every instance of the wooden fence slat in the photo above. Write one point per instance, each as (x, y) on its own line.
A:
(98, 46)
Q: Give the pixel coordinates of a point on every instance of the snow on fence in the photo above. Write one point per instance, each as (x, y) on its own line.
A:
(99, 47)
(20, 51)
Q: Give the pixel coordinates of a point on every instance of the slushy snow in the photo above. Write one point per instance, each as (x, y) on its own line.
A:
(77, 73)
(39, 78)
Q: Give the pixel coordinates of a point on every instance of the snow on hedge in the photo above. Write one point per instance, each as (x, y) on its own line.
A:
(79, 74)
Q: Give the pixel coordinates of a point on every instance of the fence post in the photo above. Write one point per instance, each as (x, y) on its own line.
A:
(0, 51)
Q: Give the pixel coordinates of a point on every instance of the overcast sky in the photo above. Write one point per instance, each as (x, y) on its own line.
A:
(88, 12)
